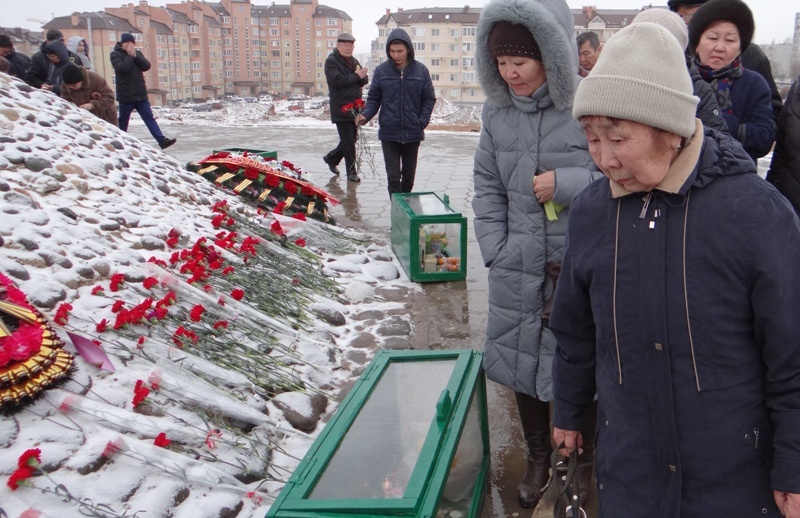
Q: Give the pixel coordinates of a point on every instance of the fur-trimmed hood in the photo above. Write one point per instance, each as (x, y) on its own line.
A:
(550, 22)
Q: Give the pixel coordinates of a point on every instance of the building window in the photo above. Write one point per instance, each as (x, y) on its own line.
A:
(419, 45)
(468, 31)
(418, 31)
(466, 47)
(435, 47)
(434, 77)
(453, 62)
(332, 21)
(454, 92)
(468, 77)
(455, 33)
(275, 63)
(468, 62)
(453, 48)
(453, 78)
(435, 62)
(381, 33)
(275, 43)
(274, 32)
(274, 21)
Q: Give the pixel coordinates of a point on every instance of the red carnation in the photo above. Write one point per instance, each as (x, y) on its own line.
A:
(221, 324)
(101, 326)
(272, 181)
(149, 282)
(161, 440)
(196, 313)
(117, 307)
(228, 270)
(140, 393)
(359, 103)
(300, 242)
(251, 173)
(290, 187)
(237, 294)
(97, 290)
(348, 108)
(18, 476)
(299, 215)
(30, 458)
(62, 314)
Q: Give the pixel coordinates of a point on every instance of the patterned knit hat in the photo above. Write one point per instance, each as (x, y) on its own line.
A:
(510, 39)
(641, 76)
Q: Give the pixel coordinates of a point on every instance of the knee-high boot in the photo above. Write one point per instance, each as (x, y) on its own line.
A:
(535, 418)
(586, 459)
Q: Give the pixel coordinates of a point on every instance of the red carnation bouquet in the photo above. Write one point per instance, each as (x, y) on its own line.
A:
(363, 149)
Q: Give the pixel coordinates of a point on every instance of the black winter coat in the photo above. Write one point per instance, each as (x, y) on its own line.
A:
(680, 313)
(784, 171)
(19, 64)
(344, 84)
(753, 58)
(130, 78)
(405, 97)
(41, 70)
(708, 108)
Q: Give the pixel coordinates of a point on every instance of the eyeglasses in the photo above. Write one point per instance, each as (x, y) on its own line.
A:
(346, 43)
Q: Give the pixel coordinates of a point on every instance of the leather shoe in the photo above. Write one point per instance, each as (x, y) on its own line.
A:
(353, 178)
(331, 166)
(167, 142)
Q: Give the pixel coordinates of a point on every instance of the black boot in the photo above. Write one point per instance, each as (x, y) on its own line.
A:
(535, 418)
(586, 459)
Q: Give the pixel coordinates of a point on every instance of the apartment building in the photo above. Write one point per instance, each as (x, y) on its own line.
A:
(444, 40)
(201, 50)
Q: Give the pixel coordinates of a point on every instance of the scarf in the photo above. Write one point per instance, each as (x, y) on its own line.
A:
(721, 81)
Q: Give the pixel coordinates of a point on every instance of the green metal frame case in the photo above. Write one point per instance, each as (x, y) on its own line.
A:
(428, 455)
(415, 218)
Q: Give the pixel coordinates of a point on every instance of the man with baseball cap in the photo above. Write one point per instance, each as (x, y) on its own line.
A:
(18, 62)
(753, 58)
(346, 78)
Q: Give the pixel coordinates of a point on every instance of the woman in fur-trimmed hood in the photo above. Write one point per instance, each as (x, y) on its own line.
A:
(531, 162)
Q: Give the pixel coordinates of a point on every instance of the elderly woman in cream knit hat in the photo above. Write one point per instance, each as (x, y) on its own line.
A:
(677, 303)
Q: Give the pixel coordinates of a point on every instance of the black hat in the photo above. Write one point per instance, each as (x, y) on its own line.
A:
(127, 36)
(511, 39)
(734, 11)
(54, 34)
(72, 74)
(346, 36)
(674, 4)
(5, 41)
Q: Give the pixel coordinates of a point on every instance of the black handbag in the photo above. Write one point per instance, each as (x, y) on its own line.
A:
(564, 476)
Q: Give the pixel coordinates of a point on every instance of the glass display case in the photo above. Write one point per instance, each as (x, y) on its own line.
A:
(410, 439)
(429, 238)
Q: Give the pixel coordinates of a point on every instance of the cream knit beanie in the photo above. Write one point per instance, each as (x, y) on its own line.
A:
(667, 19)
(641, 76)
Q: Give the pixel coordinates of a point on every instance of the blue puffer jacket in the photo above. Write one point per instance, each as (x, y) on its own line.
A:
(405, 97)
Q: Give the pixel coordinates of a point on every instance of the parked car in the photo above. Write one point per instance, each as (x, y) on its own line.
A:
(299, 97)
(203, 108)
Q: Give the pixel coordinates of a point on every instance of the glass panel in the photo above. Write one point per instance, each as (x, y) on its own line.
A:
(378, 454)
(465, 468)
(427, 205)
(440, 247)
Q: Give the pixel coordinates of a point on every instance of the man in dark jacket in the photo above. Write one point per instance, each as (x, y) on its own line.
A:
(47, 65)
(345, 78)
(403, 91)
(129, 65)
(18, 62)
(753, 58)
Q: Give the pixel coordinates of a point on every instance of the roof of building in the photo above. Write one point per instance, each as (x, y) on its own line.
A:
(160, 28)
(285, 11)
(179, 17)
(100, 20)
(464, 14)
(611, 17)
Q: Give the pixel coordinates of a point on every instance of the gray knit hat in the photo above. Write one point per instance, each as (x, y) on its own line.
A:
(669, 20)
(640, 76)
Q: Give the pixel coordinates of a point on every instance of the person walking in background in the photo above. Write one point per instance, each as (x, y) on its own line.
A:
(708, 108)
(784, 171)
(753, 58)
(18, 62)
(346, 78)
(47, 65)
(129, 66)
(532, 160)
(676, 304)
(719, 32)
(588, 51)
(89, 91)
(403, 92)
(77, 45)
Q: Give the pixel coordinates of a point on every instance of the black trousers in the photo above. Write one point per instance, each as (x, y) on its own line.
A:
(401, 165)
(346, 148)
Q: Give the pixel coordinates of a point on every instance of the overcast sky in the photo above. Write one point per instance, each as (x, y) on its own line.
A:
(774, 18)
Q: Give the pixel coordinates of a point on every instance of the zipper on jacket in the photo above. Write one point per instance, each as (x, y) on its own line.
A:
(756, 434)
(402, 126)
(646, 199)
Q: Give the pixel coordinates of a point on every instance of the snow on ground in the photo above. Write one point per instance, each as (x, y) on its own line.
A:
(84, 206)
